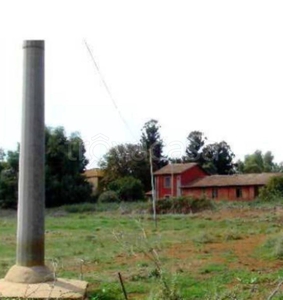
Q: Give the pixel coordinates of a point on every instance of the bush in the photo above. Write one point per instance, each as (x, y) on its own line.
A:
(8, 189)
(80, 208)
(274, 247)
(108, 196)
(278, 249)
(127, 188)
(182, 205)
(273, 190)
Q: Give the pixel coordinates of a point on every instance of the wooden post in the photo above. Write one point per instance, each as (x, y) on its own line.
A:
(153, 189)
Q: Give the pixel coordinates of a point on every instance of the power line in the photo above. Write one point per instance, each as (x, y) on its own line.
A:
(108, 90)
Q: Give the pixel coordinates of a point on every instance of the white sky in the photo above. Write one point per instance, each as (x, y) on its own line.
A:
(213, 66)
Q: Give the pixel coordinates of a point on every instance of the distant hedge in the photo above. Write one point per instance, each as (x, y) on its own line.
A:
(182, 205)
(127, 188)
(108, 196)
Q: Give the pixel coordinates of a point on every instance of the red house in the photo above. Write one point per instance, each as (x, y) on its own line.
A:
(180, 174)
(191, 179)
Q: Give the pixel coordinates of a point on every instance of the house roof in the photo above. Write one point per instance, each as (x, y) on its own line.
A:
(232, 180)
(175, 168)
(94, 173)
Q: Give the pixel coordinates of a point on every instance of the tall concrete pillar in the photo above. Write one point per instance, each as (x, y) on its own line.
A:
(30, 266)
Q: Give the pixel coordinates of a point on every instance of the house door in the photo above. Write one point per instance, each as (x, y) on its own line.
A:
(256, 191)
(178, 186)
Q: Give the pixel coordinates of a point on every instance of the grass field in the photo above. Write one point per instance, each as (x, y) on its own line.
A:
(234, 251)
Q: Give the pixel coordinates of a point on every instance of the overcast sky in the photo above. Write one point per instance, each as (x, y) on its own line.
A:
(213, 66)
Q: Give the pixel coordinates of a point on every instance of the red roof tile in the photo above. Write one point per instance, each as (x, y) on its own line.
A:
(232, 180)
(174, 168)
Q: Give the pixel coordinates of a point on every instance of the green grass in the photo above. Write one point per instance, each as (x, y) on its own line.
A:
(199, 256)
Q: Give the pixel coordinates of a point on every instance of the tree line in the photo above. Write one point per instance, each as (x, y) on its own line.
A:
(132, 160)
(126, 166)
(65, 163)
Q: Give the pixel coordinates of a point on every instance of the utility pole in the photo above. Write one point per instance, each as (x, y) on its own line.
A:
(30, 266)
(152, 188)
(172, 180)
(29, 277)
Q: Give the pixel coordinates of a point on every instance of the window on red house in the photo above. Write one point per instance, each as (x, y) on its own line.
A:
(239, 193)
(167, 182)
(214, 193)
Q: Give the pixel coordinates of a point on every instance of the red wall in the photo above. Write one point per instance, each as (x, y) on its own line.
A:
(224, 193)
(192, 174)
(185, 178)
(196, 172)
(161, 190)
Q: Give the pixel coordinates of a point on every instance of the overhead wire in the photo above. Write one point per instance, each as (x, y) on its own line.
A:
(125, 123)
(108, 90)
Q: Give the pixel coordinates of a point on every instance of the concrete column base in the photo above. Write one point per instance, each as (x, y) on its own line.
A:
(36, 274)
(59, 289)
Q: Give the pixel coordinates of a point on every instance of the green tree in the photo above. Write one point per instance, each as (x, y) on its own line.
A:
(125, 160)
(239, 165)
(273, 189)
(254, 162)
(9, 166)
(151, 139)
(268, 164)
(127, 188)
(2, 154)
(278, 167)
(13, 158)
(216, 158)
(2, 162)
(196, 141)
(258, 162)
(65, 163)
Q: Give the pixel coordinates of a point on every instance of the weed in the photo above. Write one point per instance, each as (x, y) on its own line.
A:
(231, 235)
(213, 268)
(176, 260)
(166, 289)
(273, 247)
(106, 293)
(204, 238)
(278, 249)
(183, 205)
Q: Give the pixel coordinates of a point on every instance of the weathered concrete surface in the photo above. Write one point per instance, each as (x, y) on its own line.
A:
(30, 278)
(59, 289)
(30, 266)
(34, 274)
(31, 203)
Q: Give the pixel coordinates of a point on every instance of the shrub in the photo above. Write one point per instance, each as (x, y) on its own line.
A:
(80, 208)
(278, 249)
(204, 238)
(182, 205)
(273, 190)
(127, 188)
(8, 189)
(108, 196)
(274, 247)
